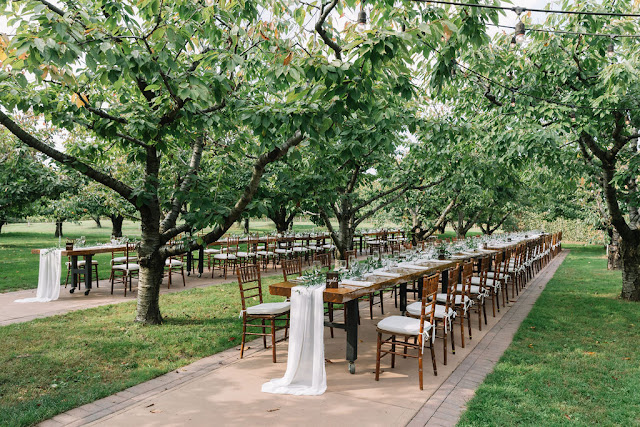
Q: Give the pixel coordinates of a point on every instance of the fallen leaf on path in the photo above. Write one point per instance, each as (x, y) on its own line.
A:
(273, 410)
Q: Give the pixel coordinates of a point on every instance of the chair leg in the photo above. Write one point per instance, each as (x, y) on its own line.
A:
(420, 357)
(244, 331)
(264, 336)
(444, 347)
(184, 282)
(273, 339)
(97, 282)
(378, 356)
(393, 350)
(462, 316)
(453, 341)
(433, 357)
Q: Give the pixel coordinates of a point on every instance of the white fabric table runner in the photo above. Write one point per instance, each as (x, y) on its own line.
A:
(48, 277)
(305, 374)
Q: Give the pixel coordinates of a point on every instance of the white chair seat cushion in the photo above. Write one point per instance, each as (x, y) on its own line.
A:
(328, 246)
(224, 256)
(473, 289)
(174, 262)
(125, 267)
(265, 253)
(300, 249)
(492, 275)
(81, 263)
(212, 251)
(402, 325)
(442, 298)
(490, 282)
(415, 308)
(121, 259)
(282, 251)
(269, 308)
(245, 254)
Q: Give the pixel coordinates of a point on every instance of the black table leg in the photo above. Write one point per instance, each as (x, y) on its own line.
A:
(189, 262)
(403, 296)
(351, 326)
(200, 261)
(74, 275)
(445, 281)
(87, 274)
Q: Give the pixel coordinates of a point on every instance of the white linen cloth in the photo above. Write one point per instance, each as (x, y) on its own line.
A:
(305, 374)
(410, 266)
(48, 277)
(383, 273)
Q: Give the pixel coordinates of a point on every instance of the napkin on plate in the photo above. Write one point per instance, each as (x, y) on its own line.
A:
(411, 266)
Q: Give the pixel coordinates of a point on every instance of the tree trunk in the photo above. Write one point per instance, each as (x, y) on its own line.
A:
(97, 220)
(443, 227)
(246, 226)
(1, 224)
(630, 255)
(281, 220)
(613, 251)
(58, 232)
(345, 237)
(151, 269)
(116, 225)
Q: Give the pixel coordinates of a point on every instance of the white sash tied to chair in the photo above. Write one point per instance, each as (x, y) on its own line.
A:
(448, 318)
(425, 336)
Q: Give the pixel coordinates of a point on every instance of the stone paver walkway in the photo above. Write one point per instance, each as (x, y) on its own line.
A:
(224, 390)
(13, 312)
(446, 405)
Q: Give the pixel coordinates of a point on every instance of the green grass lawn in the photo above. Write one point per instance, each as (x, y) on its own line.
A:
(574, 360)
(19, 267)
(48, 366)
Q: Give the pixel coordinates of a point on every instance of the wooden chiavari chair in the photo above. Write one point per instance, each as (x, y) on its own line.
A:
(262, 316)
(420, 329)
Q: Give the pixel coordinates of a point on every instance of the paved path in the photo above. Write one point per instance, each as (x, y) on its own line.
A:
(225, 390)
(13, 312)
(446, 405)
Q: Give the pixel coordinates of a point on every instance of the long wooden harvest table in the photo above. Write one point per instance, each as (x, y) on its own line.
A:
(88, 253)
(349, 295)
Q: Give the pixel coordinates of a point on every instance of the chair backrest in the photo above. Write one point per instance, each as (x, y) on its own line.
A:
(325, 259)
(467, 274)
(250, 283)
(497, 263)
(232, 245)
(291, 267)
(429, 292)
(395, 247)
(452, 287)
(482, 272)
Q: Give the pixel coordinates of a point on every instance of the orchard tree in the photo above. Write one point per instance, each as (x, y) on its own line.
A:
(153, 79)
(583, 89)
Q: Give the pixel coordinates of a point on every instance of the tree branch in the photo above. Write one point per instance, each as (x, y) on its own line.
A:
(323, 33)
(33, 142)
(176, 204)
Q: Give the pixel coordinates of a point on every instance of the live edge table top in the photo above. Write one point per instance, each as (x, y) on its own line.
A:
(345, 293)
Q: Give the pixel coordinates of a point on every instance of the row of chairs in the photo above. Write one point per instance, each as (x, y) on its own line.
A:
(227, 255)
(469, 288)
(435, 315)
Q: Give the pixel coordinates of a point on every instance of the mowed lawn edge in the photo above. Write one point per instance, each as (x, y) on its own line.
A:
(574, 359)
(49, 366)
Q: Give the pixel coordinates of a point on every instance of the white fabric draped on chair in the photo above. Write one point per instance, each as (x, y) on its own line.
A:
(48, 277)
(305, 374)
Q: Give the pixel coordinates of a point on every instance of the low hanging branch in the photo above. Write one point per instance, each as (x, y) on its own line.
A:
(73, 162)
(246, 197)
